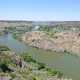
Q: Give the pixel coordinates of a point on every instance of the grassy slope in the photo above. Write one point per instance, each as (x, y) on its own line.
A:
(33, 71)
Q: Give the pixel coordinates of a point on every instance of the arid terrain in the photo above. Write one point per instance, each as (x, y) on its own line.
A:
(63, 41)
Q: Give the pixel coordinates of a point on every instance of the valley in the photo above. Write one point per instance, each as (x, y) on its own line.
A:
(55, 44)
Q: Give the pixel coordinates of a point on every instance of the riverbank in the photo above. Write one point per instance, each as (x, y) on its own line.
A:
(59, 42)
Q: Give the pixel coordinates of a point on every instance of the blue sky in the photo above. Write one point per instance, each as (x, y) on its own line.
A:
(41, 10)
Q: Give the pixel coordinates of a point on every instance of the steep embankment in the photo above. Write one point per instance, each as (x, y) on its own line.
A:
(64, 41)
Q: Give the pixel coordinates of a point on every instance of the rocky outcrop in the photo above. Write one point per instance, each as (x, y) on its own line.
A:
(64, 41)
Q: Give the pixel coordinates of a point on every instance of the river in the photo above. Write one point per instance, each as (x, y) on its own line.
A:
(66, 63)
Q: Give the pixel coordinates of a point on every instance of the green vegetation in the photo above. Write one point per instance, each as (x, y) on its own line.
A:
(45, 28)
(1, 33)
(41, 66)
(54, 72)
(50, 31)
(17, 35)
(4, 48)
(27, 57)
(8, 67)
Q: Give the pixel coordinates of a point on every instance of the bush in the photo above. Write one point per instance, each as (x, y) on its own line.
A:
(4, 68)
(59, 75)
(41, 66)
(12, 75)
(27, 58)
(54, 72)
(4, 48)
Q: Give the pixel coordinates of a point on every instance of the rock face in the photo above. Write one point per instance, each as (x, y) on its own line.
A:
(39, 40)
(64, 41)
(69, 41)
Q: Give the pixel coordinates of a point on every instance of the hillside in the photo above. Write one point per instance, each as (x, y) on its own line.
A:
(59, 42)
(22, 67)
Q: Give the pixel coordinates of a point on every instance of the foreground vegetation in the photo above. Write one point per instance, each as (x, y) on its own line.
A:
(30, 69)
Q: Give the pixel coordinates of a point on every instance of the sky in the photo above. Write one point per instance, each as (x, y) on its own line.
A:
(40, 10)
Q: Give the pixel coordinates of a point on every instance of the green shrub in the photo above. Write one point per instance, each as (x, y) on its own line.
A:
(41, 66)
(4, 48)
(54, 72)
(4, 67)
(27, 58)
(13, 75)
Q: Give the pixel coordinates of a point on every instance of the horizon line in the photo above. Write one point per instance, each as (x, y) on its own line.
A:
(41, 20)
